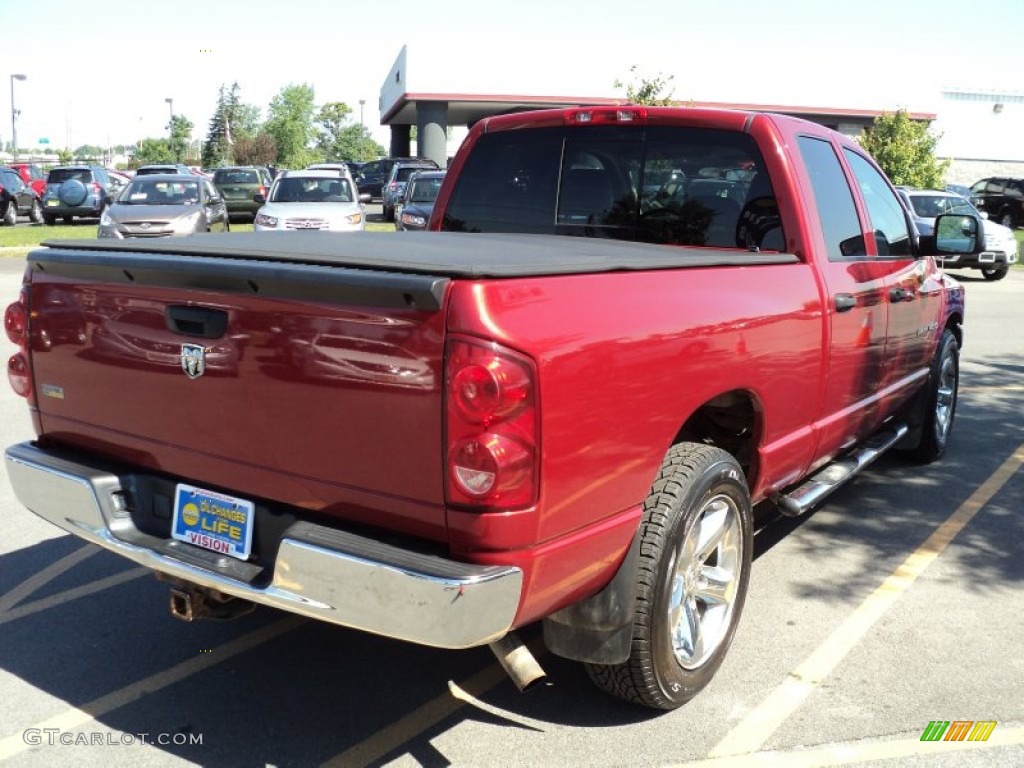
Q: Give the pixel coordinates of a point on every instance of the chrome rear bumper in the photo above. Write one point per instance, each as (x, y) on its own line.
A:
(320, 572)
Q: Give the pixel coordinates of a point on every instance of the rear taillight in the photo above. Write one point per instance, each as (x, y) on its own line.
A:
(16, 324)
(492, 432)
(262, 191)
(97, 189)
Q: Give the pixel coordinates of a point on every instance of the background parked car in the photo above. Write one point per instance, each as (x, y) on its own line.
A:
(32, 175)
(394, 186)
(147, 170)
(239, 185)
(118, 181)
(417, 202)
(162, 205)
(312, 200)
(1000, 244)
(17, 199)
(1001, 198)
(374, 174)
(76, 190)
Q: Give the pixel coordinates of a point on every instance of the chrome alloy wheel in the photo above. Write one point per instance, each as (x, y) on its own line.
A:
(705, 582)
(945, 400)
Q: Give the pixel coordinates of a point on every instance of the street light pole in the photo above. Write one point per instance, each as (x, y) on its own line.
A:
(361, 103)
(14, 116)
(170, 127)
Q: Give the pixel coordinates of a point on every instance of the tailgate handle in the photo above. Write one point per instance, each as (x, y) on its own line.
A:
(197, 321)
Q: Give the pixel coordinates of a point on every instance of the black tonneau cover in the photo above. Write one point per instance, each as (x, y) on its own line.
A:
(443, 254)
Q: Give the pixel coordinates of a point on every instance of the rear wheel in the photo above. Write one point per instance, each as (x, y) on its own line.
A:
(36, 214)
(49, 220)
(691, 580)
(994, 273)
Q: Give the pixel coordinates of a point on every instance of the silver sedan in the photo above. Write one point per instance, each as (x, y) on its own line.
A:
(162, 205)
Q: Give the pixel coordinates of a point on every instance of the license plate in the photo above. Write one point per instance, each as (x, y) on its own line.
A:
(213, 521)
(53, 203)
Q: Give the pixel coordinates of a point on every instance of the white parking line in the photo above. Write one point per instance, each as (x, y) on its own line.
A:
(43, 577)
(72, 594)
(78, 716)
(852, 754)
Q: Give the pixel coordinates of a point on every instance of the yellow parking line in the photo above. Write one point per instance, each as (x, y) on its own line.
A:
(78, 716)
(43, 577)
(72, 594)
(751, 733)
(851, 754)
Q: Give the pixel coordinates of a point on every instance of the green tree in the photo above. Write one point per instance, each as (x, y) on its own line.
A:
(89, 151)
(181, 135)
(230, 120)
(905, 150)
(65, 156)
(290, 122)
(341, 138)
(153, 151)
(651, 92)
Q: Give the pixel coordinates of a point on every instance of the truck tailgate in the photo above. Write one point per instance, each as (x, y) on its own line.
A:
(312, 385)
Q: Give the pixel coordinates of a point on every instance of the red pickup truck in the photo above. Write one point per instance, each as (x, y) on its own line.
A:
(629, 326)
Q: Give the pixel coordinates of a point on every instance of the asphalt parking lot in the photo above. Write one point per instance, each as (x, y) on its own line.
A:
(899, 602)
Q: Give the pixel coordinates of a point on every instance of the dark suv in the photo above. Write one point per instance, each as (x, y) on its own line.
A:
(374, 174)
(1001, 198)
(394, 185)
(76, 190)
(17, 199)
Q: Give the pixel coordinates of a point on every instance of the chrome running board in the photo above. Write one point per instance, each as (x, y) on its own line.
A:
(836, 474)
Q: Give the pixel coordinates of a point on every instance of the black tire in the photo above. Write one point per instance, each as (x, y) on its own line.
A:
(36, 214)
(698, 486)
(940, 399)
(49, 220)
(1007, 219)
(10, 217)
(994, 273)
(73, 192)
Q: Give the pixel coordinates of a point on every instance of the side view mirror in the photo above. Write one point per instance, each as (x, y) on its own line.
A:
(955, 233)
(365, 197)
(259, 199)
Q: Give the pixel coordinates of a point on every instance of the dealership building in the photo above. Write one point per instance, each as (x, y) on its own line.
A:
(979, 130)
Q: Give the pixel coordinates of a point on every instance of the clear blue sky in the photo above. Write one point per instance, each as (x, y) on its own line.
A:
(100, 74)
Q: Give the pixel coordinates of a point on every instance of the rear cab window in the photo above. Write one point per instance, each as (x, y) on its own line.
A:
(659, 184)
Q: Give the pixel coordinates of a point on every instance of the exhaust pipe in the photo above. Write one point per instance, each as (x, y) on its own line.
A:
(518, 662)
(190, 602)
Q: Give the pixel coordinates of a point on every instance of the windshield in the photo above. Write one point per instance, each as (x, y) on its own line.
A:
(150, 192)
(930, 206)
(309, 189)
(424, 190)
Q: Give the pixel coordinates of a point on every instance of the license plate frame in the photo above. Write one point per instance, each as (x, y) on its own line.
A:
(213, 521)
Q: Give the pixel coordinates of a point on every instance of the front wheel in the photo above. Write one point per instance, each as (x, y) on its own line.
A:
(691, 580)
(10, 217)
(940, 400)
(36, 214)
(994, 273)
(1007, 220)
